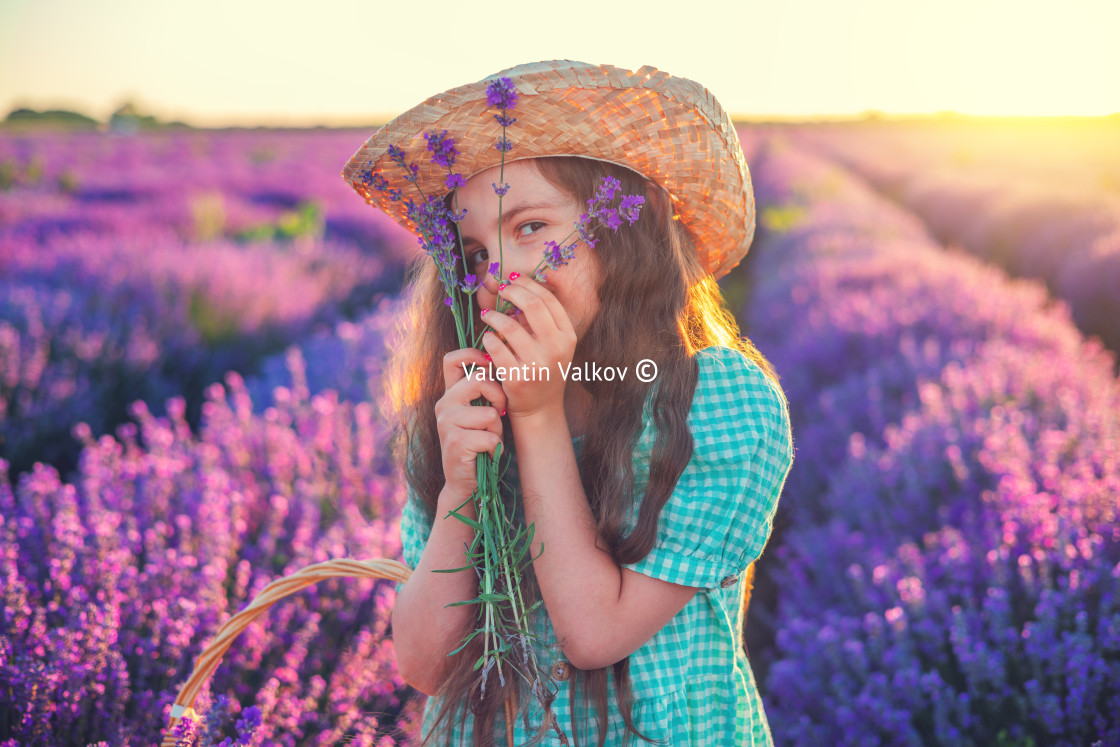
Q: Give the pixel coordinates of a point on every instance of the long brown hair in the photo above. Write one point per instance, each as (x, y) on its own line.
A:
(656, 301)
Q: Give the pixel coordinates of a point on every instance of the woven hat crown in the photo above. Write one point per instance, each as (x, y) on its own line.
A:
(670, 130)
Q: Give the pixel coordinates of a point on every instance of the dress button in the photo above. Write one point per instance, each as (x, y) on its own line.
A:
(561, 671)
(729, 581)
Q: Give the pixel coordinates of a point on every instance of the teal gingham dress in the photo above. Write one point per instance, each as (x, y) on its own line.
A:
(691, 682)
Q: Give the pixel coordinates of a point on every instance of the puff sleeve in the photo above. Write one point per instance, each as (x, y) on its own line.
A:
(719, 516)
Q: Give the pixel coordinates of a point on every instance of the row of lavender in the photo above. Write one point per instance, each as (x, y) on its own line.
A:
(112, 584)
(146, 267)
(1068, 235)
(948, 550)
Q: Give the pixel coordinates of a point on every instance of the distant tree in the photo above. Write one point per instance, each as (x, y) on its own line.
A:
(60, 118)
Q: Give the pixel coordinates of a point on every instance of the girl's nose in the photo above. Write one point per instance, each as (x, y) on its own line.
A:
(509, 270)
(489, 282)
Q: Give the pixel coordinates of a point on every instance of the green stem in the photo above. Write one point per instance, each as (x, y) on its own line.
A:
(496, 531)
(502, 182)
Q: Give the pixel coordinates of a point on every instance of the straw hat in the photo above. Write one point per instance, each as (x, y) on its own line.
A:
(670, 130)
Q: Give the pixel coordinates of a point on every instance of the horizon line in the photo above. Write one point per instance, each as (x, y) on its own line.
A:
(346, 122)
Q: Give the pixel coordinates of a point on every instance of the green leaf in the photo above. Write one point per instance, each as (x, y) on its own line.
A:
(463, 603)
(469, 522)
(493, 597)
(463, 645)
(453, 570)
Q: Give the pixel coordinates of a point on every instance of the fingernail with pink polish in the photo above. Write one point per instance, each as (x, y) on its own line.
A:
(502, 286)
(488, 357)
(514, 275)
(503, 413)
(483, 312)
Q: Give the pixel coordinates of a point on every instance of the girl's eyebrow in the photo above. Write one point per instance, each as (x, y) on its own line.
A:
(510, 214)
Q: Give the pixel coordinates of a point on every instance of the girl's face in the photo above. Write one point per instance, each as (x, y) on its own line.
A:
(533, 211)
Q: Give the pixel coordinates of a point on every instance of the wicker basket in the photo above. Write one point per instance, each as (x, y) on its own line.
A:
(380, 568)
(212, 655)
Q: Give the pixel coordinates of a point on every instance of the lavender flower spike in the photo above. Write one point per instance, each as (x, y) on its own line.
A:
(500, 94)
(442, 149)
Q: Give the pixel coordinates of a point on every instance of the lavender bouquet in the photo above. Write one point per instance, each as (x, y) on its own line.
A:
(501, 549)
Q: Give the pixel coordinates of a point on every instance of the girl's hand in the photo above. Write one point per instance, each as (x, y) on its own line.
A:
(548, 345)
(466, 430)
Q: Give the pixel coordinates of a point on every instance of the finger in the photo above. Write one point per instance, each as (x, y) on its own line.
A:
(555, 309)
(457, 362)
(515, 337)
(474, 442)
(501, 353)
(473, 417)
(480, 384)
(480, 441)
(542, 319)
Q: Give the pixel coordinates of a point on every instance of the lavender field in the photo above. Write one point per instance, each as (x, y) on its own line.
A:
(144, 268)
(191, 334)
(1040, 199)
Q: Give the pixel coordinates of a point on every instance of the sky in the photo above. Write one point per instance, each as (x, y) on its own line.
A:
(351, 62)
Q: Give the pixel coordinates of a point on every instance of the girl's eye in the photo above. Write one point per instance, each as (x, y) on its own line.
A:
(477, 256)
(528, 229)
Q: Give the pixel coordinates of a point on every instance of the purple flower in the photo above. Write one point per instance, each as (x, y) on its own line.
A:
(611, 219)
(630, 207)
(396, 154)
(500, 94)
(448, 301)
(442, 149)
(500, 191)
(505, 120)
(249, 722)
(607, 189)
(505, 145)
(494, 269)
(370, 179)
(454, 181)
(598, 207)
(552, 253)
(583, 226)
(556, 256)
(433, 220)
(184, 732)
(469, 283)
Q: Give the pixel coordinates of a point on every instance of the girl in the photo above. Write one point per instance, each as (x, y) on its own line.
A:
(651, 496)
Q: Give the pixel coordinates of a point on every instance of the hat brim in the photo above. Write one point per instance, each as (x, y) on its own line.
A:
(670, 130)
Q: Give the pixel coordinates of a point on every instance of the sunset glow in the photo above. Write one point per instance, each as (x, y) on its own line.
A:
(356, 62)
